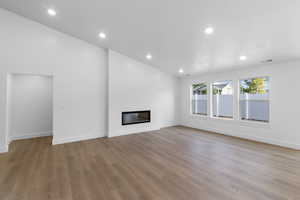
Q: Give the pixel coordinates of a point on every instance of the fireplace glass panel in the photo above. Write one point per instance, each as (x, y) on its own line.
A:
(135, 117)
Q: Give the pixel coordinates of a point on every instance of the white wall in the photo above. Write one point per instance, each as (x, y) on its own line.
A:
(136, 86)
(80, 90)
(80, 82)
(79, 71)
(30, 106)
(284, 112)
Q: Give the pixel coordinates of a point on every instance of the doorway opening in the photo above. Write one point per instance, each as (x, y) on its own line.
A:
(29, 106)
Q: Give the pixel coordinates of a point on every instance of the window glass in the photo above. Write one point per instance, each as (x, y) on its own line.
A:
(199, 99)
(222, 102)
(254, 99)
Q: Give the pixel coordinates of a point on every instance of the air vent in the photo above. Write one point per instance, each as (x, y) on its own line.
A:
(267, 61)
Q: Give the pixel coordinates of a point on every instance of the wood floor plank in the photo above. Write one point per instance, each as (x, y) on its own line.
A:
(170, 164)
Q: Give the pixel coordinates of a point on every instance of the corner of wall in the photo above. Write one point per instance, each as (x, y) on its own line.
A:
(4, 148)
(87, 136)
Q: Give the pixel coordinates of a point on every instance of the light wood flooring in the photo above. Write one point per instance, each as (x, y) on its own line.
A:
(170, 164)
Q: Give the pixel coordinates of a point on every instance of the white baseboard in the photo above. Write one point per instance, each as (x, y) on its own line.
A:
(78, 138)
(31, 135)
(132, 131)
(169, 125)
(139, 130)
(250, 137)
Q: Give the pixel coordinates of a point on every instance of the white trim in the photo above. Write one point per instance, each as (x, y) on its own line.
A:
(31, 135)
(238, 99)
(169, 125)
(7, 114)
(78, 138)
(129, 132)
(199, 115)
(250, 137)
(253, 123)
(207, 97)
(222, 118)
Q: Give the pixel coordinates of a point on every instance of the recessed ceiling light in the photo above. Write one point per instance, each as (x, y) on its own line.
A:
(243, 57)
(180, 71)
(149, 56)
(51, 12)
(102, 35)
(209, 30)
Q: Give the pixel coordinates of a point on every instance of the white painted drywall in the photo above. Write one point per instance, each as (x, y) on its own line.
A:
(79, 73)
(80, 90)
(30, 106)
(284, 109)
(135, 86)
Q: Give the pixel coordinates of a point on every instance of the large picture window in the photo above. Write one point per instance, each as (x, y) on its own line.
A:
(222, 101)
(254, 99)
(199, 99)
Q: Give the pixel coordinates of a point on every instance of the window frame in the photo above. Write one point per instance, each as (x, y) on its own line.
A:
(207, 115)
(236, 119)
(212, 98)
(254, 122)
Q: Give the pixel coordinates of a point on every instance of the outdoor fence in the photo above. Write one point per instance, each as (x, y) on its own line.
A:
(199, 104)
(252, 106)
(223, 105)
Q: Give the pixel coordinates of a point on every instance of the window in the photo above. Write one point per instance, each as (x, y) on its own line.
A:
(199, 99)
(222, 100)
(254, 99)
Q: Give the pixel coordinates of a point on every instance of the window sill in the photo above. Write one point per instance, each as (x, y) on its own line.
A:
(222, 118)
(199, 115)
(254, 124)
(232, 121)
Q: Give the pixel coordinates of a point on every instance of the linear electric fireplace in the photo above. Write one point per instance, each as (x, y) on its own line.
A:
(136, 117)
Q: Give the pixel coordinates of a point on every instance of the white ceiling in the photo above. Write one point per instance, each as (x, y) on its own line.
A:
(172, 30)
